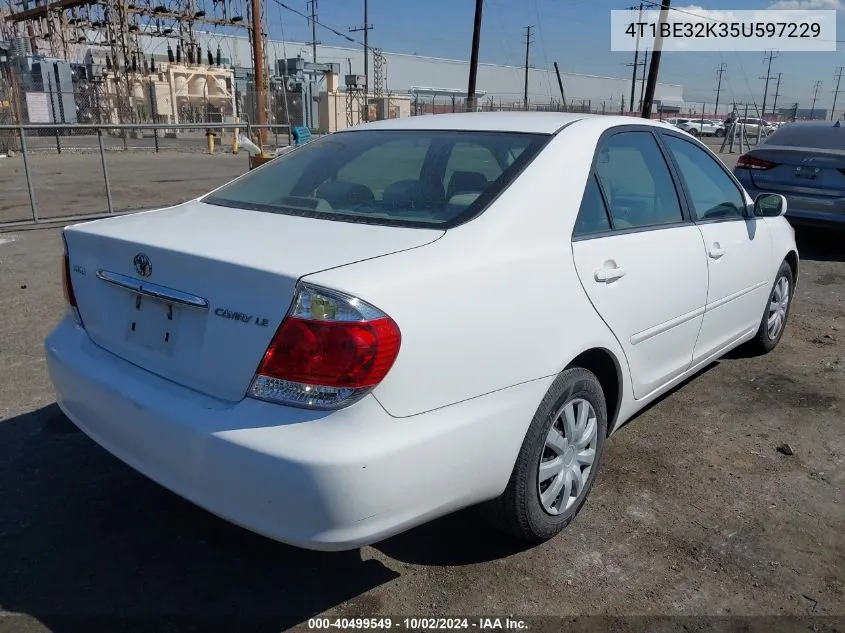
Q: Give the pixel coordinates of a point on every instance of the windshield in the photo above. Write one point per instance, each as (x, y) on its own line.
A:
(426, 178)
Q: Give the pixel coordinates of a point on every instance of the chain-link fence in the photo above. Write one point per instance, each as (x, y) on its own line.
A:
(47, 91)
(68, 172)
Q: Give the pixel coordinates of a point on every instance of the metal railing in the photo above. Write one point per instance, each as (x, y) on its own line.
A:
(96, 136)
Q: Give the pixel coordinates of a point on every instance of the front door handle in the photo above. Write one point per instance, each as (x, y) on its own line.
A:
(607, 275)
(716, 251)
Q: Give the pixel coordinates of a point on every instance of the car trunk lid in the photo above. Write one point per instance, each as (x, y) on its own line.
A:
(810, 179)
(194, 293)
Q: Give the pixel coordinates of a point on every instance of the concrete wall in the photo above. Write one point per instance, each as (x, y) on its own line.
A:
(333, 110)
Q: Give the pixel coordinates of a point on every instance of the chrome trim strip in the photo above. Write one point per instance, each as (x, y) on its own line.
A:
(153, 290)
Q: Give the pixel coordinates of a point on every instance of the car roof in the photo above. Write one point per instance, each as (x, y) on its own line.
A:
(525, 122)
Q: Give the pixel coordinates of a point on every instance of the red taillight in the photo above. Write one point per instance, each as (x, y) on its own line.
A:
(67, 284)
(332, 354)
(750, 162)
(329, 351)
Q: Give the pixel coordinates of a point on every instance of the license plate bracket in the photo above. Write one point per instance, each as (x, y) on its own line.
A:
(152, 323)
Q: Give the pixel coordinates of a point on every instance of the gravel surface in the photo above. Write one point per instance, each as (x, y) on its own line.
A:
(695, 512)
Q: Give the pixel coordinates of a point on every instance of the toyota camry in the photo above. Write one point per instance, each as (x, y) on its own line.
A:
(413, 316)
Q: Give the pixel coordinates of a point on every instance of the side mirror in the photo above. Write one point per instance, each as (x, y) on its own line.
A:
(769, 205)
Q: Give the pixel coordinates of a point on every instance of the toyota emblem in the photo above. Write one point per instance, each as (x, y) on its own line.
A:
(143, 265)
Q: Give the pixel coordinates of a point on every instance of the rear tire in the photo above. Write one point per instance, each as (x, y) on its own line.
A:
(530, 508)
(776, 313)
(720, 133)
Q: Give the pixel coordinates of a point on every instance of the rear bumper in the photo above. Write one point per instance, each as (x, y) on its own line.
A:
(317, 480)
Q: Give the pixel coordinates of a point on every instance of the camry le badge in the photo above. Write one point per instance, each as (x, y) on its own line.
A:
(143, 265)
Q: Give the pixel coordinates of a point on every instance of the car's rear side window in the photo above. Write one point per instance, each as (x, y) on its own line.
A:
(636, 182)
(427, 178)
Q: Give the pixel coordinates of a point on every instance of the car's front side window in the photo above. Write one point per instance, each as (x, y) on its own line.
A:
(636, 182)
(713, 194)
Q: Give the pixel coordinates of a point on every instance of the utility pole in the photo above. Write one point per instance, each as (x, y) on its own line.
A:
(722, 68)
(473, 61)
(654, 69)
(258, 71)
(836, 92)
(636, 57)
(816, 87)
(313, 4)
(527, 50)
(560, 85)
(366, 28)
(644, 64)
(777, 94)
(767, 58)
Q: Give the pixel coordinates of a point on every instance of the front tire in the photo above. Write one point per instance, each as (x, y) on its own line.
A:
(558, 461)
(720, 133)
(776, 314)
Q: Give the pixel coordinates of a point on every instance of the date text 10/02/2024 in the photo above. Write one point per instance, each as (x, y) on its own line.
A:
(418, 624)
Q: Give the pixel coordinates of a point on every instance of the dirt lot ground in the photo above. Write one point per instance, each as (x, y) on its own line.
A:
(694, 513)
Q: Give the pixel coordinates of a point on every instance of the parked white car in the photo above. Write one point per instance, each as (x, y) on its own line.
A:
(414, 316)
(753, 126)
(703, 127)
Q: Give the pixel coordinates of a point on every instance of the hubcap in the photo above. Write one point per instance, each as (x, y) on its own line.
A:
(778, 306)
(568, 456)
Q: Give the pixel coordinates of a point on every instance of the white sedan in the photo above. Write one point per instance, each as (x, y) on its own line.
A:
(414, 316)
(703, 127)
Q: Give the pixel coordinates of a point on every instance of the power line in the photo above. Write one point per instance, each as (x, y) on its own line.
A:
(322, 25)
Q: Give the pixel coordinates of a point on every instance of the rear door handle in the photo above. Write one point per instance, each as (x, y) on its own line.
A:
(607, 275)
(716, 251)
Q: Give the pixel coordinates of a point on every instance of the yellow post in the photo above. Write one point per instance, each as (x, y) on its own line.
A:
(235, 141)
(210, 136)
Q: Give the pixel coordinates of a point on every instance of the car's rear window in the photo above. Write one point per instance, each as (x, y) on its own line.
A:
(822, 136)
(426, 178)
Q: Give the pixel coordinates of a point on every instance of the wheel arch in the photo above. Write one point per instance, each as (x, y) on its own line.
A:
(604, 364)
(792, 259)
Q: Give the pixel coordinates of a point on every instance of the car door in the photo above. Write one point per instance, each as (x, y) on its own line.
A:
(738, 246)
(639, 259)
